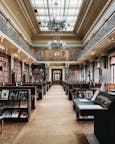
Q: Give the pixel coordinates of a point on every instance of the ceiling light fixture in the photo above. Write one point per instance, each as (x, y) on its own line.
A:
(57, 44)
(55, 23)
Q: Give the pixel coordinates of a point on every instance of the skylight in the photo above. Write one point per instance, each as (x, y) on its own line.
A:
(47, 10)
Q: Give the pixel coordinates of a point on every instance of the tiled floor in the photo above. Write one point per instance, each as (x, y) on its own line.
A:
(52, 122)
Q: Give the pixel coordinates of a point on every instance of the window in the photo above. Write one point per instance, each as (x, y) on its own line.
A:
(113, 70)
(67, 9)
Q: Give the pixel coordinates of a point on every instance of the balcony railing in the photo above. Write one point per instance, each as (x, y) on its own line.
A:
(7, 28)
(104, 30)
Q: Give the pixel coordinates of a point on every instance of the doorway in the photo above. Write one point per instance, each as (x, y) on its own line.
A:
(56, 76)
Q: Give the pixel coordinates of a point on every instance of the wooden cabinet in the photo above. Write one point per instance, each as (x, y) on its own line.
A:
(15, 104)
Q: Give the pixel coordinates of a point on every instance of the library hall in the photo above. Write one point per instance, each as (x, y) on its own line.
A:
(57, 71)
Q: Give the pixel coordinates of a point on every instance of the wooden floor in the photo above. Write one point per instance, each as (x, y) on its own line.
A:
(52, 122)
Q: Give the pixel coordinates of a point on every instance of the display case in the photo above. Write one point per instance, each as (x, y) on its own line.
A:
(15, 104)
(33, 90)
(104, 120)
(87, 108)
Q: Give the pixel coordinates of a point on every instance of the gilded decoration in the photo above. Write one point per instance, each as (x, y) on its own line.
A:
(57, 55)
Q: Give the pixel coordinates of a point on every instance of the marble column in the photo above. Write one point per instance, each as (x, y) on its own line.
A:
(11, 70)
(92, 64)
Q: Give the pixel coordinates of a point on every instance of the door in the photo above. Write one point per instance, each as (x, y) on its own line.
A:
(56, 76)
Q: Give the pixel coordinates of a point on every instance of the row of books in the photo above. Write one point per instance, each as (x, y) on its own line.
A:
(13, 94)
(15, 114)
(14, 104)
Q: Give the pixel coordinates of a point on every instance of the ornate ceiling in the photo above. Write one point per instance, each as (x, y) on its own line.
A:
(22, 15)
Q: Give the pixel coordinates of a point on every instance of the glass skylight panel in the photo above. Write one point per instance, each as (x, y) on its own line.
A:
(46, 10)
(42, 12)
(71, 12)
(33, 2)
(39, 2)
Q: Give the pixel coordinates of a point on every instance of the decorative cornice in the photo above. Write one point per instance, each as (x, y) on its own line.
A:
(67, 47)
(11, 33)
(28, 13)
(82, 14)
(101, 19)
(106, 29)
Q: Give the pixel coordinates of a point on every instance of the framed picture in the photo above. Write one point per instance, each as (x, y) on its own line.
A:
(4, 94)
(23, 104)
(89, 94)
(13, 95)
(23, 95)
(81, 94)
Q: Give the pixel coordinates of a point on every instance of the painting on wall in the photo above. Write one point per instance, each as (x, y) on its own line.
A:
(57, 55)
(40, 55)
(73, 54)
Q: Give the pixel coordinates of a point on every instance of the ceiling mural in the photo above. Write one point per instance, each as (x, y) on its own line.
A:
(57, 55)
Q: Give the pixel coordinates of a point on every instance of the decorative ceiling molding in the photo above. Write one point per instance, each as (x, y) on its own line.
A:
(83, 12)
(13, 14)
(86, 20)
(67, 47)
(25, 7)
(100, 20)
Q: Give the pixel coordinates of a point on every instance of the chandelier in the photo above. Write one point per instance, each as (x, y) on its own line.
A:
(55, 23)
(57, 44)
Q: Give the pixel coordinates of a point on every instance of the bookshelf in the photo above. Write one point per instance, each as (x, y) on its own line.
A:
(4, 68)
(17, 69)
(104, 120)
(15, 104)
(100, 103)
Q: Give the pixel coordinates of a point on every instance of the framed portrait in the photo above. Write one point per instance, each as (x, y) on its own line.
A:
(89, 94)
(81, 94)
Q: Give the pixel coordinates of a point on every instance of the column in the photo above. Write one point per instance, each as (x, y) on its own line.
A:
(103, 71)
(29, 72)
(103, 62)
(81, 72)
(92, 64)
(47, 72)
(85, 73)
(50, 74)
(11, 70)
(22, 70)
(66, 71)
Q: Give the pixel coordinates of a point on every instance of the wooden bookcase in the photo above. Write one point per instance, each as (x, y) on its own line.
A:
(15, 104)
